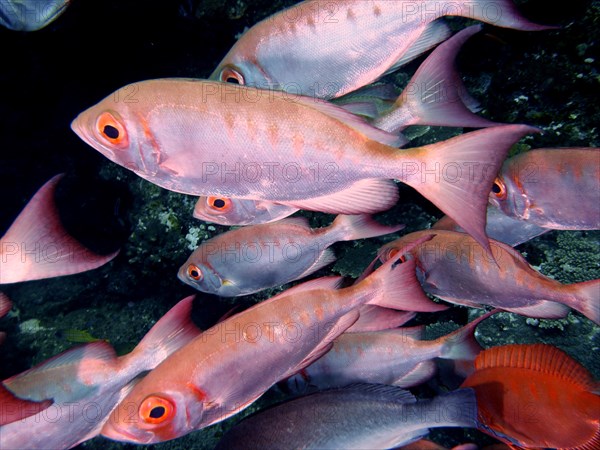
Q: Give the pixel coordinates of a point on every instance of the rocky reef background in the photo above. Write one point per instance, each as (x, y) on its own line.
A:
(550, 79)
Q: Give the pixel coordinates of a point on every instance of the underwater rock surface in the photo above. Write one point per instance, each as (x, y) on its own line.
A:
(549, 79)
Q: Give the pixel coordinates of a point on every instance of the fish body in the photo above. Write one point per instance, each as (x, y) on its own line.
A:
(250, 259)
(360, 416)
(236, 211)
(556, 188)
(30, 15)
(217, 139)
(456, 268)
(233, 363)
(86, 383)
(395, 357)
(326, 49)
(536, 396)
(37, 246)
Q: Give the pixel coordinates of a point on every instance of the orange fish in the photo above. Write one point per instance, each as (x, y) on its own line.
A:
(536, 396)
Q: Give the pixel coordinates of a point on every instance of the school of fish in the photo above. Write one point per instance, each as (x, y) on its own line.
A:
(291, 120)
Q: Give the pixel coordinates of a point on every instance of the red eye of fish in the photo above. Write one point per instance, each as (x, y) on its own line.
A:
(194, 272)
(499, 189)
(219, 203)
(393, 252)
(111, 129)
(230, 75)
(155, 410)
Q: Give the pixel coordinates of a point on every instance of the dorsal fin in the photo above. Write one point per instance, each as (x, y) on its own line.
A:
(539, 358)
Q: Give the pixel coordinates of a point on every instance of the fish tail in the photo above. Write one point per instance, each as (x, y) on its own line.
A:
(38, 226)
(397, 287)
(436, 94)
(349, 228)
(501, 13)
(457, 174)
(453, 409)
(587, 299)
(462, 346)
(171, 332)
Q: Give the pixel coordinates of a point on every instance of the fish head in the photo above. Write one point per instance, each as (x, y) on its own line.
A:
(148, 417)
(116, 127)
(508, 196)
(238, 70)
(202, 276)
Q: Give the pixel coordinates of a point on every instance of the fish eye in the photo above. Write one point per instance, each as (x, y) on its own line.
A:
(230, 75)
(392, 252)
(111, 129)
(219, 203)
(194, 272)
(155, 410)
(499, 189)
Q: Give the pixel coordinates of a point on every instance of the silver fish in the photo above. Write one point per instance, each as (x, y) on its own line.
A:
(361, 416)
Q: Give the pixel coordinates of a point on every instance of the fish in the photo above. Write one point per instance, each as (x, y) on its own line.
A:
(79, 336)
(242, 142)
(250, 259)
(236, 211)
(229, 366)
(395, 357)
(37, 246)
(359, 416)
(555, 188)
(30, 15)
(327, 49)
(500, 227)
(86, 382)
(455, 268)
(436, 95)
(536, 396)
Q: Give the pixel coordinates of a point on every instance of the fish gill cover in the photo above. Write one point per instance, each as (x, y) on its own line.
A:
(548, 79)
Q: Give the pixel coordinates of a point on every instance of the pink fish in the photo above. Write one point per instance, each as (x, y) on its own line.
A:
(37, 246)
(454, 267)
(87, 382)
(258, 257)
(216, 139)
(556, 188)
(232, 364)
(235, 211)
(329, 48)
(397, 357)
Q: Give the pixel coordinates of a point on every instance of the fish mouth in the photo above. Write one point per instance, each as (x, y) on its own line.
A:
(79, 128)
